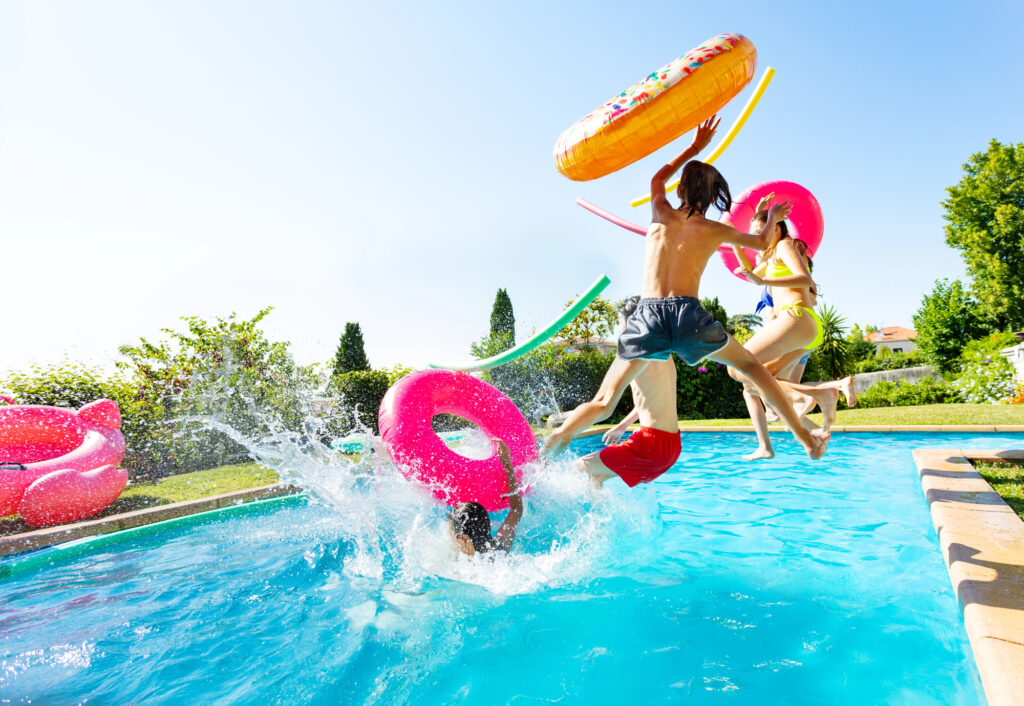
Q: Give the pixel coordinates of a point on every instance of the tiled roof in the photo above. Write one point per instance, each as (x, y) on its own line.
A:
(891, 333)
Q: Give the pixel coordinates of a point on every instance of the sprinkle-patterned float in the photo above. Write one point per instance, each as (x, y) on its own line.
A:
(658, 109)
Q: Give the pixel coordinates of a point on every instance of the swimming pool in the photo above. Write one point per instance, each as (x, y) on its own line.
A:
(723, 582)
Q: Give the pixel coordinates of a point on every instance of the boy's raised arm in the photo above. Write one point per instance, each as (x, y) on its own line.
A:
(506, 534)
(705, 131)
(776, 213)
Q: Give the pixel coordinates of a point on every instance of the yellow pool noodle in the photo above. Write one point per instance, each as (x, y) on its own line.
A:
(733, 131)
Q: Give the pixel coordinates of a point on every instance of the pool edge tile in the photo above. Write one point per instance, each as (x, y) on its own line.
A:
(982, 542)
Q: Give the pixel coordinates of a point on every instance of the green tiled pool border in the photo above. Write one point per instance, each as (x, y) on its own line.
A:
(30, 550)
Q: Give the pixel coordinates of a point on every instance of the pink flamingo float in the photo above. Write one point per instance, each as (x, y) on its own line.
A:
(60, 465)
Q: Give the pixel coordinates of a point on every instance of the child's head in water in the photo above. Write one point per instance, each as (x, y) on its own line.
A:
(470, 526)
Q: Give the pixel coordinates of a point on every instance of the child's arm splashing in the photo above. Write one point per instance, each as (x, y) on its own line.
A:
(506, 534)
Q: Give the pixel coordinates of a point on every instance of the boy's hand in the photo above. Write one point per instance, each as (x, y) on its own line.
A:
(613, 436)
(705, 131)
(780, 211)
(751, 277)
(764, 203)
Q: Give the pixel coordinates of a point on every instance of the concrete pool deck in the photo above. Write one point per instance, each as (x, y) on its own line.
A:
(982, 540)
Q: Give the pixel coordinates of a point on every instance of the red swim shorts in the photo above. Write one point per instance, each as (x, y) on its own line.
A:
(644, 456)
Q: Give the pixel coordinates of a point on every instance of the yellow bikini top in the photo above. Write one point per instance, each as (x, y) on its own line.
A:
(778, 269)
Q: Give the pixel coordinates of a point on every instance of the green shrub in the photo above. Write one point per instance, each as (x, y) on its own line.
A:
(361, 392)
(212, 383)
(705, 391)
(397, 372)
(985, 376)
(904, 394)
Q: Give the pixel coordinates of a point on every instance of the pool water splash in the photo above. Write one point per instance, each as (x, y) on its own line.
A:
(395, 536)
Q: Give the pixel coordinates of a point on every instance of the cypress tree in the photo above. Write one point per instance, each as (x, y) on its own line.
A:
(350, 356)
(503, 320)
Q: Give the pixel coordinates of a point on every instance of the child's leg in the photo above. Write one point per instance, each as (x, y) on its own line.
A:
(805, 397)
(801, 403)
(757, 416)
(845, 386)
(593, 466)
(616, 380)
(736, 356)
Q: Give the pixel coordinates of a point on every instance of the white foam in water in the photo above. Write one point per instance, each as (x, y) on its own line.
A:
(397, 534)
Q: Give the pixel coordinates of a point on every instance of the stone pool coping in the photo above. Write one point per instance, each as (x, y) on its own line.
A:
(982, 541)
(49, 536)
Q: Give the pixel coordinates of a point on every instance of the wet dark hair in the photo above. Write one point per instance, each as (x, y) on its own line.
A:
(628, 305)
(472, 520)
(701, 186)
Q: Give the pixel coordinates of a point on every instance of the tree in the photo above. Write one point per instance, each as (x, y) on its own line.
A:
(597, 320)
(947, 320)
(985, 217)
(715, 308)
(503, 321)
(832, 357)
(350, 355)
(502, 335)
(860, 348)
(746, 322)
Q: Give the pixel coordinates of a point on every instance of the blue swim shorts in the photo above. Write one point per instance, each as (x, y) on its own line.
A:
(680, 325)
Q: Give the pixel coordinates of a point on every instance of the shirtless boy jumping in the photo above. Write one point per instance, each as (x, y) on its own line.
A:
(669, 317)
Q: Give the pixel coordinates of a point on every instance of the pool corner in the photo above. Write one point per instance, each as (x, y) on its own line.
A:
(982, 541)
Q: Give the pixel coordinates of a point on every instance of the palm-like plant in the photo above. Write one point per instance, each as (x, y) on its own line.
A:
(743, 321)
(834, 352)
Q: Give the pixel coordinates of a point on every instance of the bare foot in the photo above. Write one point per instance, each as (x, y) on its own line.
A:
(760, 453)
(806, 406)
(819, 443)
(770, 416)
(849, 392)
(554, 444)
(828, 407)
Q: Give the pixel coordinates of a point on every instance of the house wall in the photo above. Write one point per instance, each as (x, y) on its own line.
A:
(905, 346)
(1015, 354)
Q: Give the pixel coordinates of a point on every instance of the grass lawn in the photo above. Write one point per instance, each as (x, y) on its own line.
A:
(922, 414)
(173, 489)
(1007, 479)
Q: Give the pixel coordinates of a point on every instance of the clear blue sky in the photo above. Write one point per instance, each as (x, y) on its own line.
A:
(390, 163)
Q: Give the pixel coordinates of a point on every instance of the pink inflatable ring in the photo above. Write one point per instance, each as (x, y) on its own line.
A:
(405, 426)
(58, 465)
(805, 220)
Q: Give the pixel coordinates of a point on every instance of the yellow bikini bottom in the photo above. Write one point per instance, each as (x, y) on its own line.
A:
(797, 310)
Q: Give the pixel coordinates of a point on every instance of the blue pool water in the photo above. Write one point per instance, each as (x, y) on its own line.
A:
(779, 582)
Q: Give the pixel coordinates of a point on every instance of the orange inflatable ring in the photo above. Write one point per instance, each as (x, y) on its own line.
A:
(653, 112)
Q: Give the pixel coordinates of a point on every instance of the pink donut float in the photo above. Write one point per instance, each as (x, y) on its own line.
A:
(58, 465)
(405, 427)
(805, 220)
